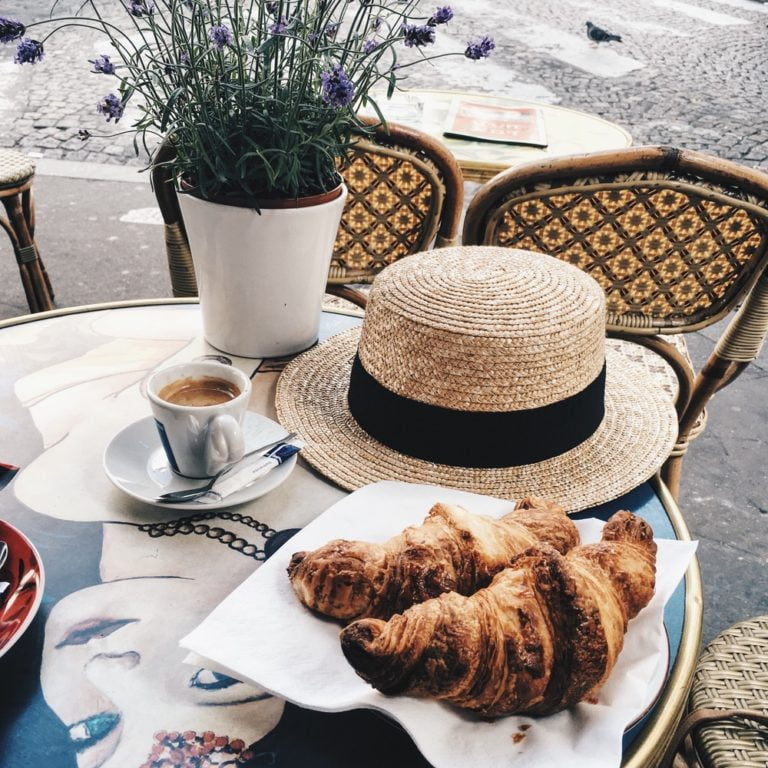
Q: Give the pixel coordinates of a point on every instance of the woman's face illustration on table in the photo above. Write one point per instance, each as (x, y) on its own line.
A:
(113, 672)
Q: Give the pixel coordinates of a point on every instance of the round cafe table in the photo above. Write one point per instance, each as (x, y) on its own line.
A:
(568, 131)
(98, 678)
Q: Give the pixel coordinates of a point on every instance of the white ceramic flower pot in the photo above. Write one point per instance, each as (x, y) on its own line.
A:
(261, 276)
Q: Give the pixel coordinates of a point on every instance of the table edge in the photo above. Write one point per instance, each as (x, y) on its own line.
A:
(648, 748)
(125, 304)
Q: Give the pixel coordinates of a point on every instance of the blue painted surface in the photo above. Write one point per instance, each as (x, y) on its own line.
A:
(331, 324)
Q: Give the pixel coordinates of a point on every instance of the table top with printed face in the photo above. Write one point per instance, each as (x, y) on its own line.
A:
(98, 678)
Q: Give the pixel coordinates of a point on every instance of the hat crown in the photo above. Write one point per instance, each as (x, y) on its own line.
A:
(484, 329)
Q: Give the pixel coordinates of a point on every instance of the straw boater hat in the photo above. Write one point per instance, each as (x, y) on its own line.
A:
(484, 369)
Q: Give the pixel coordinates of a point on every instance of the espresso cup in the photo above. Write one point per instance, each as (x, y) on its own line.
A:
(199, 409)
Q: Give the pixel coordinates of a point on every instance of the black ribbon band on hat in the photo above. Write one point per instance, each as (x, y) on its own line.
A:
(474, 438)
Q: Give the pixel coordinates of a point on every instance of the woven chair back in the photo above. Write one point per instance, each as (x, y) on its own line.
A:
(675, 238)
(405, 195)
(393, 210)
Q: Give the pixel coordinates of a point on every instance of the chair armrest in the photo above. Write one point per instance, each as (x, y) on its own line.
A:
(346, 292)
(743, 338)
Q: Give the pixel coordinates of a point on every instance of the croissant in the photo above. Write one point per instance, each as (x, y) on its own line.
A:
(543, 636)
(452, 550)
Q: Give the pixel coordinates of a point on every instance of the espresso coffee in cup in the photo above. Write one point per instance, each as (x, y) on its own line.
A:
(199, 408)
(199, 391)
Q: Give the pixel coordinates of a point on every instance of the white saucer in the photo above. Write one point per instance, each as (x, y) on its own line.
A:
(135, 462)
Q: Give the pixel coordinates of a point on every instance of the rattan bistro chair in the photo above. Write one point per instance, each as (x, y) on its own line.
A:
(727, 722)
(16, 175)
(405, 195)
(676, 238)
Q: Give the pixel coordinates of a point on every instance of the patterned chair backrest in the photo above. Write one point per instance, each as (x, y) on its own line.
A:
(675, 238)
(405, 191)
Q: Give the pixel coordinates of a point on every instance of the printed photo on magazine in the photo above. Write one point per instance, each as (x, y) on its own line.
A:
(489, 122)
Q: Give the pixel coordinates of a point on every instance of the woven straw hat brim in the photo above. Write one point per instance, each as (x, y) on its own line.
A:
(635, 437)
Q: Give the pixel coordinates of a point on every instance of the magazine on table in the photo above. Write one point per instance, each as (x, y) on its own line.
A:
(481, 121)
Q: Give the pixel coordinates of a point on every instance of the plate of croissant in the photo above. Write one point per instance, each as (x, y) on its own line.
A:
(494, 632)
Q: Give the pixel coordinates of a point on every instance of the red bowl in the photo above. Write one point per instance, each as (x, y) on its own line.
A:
(24, 571)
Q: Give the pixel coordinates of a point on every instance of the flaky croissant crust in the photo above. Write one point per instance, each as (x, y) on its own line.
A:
(543, 636)
(452, 550)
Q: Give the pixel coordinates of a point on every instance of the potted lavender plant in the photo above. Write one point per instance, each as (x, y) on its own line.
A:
(259, 101)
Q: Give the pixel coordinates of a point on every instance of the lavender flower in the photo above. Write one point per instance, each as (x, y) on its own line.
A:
(111, 106)
(28, 51)
(280, 27)
(102, 65)
(10, 29)
(140, 8)
(272, 8)
(221, 37)
(369, 46)
(418, 36)
(441, 15)
(185, 59)
(338, 89)
(331, 30)
(480, 49)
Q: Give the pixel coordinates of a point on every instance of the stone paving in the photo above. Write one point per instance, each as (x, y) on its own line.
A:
(688, 73)
(43, 106)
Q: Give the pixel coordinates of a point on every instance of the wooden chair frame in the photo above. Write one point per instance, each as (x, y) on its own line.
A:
(718, 182)
(18, 201)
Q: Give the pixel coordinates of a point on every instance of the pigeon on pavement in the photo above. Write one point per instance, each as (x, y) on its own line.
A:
(599, 35)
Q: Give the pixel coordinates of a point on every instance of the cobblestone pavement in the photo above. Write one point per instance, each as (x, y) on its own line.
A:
(43, 106)
(691, 73)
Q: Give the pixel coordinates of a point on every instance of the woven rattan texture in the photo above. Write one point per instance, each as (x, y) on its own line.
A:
(662, 253)
(733, 674)
(636, 436)
(392, 211)
(483, 329)
(742, 342)
(14, 168)
(664, 377)
(469, 349)
(180, 264)
(656, 367)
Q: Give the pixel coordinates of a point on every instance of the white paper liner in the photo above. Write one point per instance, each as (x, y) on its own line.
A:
(261, 634)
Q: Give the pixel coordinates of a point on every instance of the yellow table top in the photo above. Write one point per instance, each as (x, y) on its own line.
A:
(568, 131)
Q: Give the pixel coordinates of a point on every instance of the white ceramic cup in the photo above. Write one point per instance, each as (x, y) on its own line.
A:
(200, 440)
